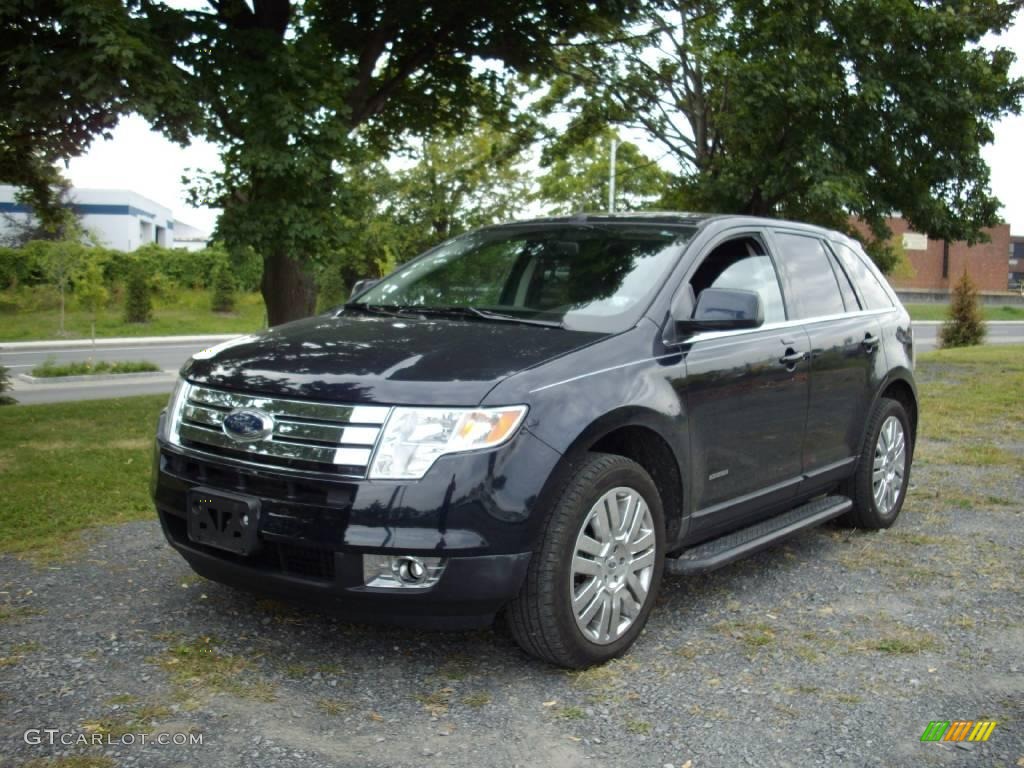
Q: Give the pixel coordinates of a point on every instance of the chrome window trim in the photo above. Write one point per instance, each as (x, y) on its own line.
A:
(722, 336)
(715, 335)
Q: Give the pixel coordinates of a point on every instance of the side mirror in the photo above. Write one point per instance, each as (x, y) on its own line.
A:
(724, 309)
(359, 286)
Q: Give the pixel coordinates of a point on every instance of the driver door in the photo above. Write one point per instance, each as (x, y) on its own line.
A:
(746, 396)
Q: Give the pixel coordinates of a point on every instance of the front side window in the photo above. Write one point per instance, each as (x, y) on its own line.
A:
(812, 286)
(743, 264)
(586, 277)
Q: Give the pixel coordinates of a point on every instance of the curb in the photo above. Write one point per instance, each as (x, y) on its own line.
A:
(15, 346)
(987, 322)
(29, 379)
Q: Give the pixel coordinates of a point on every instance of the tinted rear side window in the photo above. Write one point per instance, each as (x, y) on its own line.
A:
(874, 295)
(813, 290)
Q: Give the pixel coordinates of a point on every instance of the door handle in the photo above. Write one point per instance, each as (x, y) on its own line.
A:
(870, 341)
(792, 357)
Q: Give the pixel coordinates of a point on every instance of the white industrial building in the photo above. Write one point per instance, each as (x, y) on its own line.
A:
(117, 218)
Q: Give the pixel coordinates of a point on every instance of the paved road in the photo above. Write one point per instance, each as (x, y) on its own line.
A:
(171, 354)
(998, 333)
(168, 355)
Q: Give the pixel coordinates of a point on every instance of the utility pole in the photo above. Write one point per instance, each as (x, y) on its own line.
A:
(611, 178)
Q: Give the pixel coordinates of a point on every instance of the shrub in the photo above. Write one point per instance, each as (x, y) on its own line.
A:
(138, 305)
(223, 289)
(5, 384)
(965, 326)
(51, 369)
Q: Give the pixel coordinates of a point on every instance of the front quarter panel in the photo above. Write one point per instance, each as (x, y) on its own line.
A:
(629, 379)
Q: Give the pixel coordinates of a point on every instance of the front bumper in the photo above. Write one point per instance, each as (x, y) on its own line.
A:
(478, 511)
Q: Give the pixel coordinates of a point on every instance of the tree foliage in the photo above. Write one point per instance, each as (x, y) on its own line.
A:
(295, 93)
(577, 176)
(809, 110)
(68, 70)
(459, 181)
(965, 326)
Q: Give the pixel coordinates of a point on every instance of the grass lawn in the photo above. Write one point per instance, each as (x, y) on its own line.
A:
(67, 467)
(941, 311)
(187, 313)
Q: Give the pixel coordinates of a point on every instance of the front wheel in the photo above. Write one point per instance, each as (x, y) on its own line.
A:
(879, 485)
(594, 577)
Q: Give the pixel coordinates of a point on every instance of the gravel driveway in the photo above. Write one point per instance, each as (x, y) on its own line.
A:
(837, 648)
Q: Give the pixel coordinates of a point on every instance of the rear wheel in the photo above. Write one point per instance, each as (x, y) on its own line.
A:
(593, 579)
(879, 485)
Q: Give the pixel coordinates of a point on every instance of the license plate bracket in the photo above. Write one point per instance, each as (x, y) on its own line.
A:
(228, 521)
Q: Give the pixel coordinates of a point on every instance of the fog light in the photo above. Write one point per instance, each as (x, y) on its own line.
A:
(402, 571)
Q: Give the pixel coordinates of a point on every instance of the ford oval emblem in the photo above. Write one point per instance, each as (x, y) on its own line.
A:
(247, 425)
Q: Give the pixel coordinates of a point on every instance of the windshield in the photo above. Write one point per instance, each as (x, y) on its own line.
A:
(583, 277)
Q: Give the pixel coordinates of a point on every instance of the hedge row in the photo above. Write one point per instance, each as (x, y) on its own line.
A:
(174, 266)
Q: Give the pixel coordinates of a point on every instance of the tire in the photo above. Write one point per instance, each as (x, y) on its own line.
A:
(873, 510)
(608, 576)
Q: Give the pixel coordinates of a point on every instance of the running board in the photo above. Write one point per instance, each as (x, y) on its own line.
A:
(746, 541)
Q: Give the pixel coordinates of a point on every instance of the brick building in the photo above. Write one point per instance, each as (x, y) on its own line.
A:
(936, 265)
(1017, 262)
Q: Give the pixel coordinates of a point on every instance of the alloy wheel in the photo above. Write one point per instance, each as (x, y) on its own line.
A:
(612, 565)
(889, 466)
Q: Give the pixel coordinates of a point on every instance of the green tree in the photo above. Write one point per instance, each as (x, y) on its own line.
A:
(91, 293)
(138, 304)
(298, 94)
(68, 70)
(60, 260)
(810, 110)
(223, 289)
(459, 181)
(577, 176)
(965, 326)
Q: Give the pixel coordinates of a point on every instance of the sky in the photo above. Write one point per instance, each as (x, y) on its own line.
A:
(138, 159)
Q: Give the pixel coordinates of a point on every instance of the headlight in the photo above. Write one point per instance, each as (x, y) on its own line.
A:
(415, 437)
(172, 418)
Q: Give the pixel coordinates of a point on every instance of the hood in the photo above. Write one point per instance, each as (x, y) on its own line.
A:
(379, 359)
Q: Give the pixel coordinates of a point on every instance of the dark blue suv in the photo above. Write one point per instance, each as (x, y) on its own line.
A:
(538, 419)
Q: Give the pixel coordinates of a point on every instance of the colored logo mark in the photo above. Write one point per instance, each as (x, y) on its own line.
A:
(958, 730)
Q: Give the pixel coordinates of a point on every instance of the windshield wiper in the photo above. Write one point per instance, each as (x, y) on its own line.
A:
(373, 309)
(483, 314)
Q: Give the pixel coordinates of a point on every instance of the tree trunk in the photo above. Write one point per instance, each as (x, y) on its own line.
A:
(288, 289)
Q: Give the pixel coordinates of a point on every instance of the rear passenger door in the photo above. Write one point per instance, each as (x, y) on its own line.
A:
(845, 343)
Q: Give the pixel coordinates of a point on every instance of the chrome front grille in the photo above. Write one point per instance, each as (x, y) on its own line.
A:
(307, 435)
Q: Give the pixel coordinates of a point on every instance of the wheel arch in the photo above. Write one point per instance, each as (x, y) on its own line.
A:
(899, 386)
(653, 441)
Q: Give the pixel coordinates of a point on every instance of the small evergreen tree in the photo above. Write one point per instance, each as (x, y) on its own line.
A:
(138, 306)
(964, 327)
(331, 289)
(5, 384)
(223, 289)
